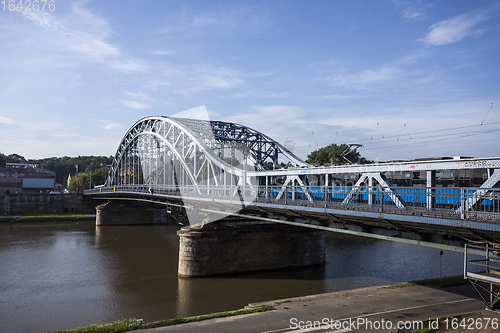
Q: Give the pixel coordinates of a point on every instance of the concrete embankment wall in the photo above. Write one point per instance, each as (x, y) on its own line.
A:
(130, 213)
(19, 204)
(248, 248)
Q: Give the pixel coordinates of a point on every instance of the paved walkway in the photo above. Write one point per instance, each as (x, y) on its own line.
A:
(374, 309)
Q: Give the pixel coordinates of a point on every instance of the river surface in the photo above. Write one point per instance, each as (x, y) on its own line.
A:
(63, 275)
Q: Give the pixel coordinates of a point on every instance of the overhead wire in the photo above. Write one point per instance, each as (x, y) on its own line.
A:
(417, 136)
(404, 127)
(444, 139)
(433, 131)
(491, 108)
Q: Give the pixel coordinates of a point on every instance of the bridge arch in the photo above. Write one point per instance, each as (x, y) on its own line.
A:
(160, 151)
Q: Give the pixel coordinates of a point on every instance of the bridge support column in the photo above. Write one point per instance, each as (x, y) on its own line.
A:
(256, 247)
(130, 213)
(371, 192)
(431, 193)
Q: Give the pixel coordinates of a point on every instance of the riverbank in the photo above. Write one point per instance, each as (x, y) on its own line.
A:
(421, 304)
(46, 218)
(373, 309)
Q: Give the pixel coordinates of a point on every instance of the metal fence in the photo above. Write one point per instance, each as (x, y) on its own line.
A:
(488, 267)
(465, 203)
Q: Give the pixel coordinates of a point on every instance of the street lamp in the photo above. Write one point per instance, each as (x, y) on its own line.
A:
(76, 166)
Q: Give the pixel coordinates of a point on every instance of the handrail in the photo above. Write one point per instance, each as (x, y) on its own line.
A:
(447, 201)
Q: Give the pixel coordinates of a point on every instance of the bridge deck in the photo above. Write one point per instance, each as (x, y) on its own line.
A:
(448, 203)
(414, 219)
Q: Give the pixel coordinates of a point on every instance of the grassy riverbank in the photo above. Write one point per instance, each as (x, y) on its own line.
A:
(137, 324)
(45, 217)
(441, 283)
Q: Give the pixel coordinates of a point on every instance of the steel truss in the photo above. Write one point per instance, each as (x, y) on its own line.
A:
(258, 146)
(371, 179)
(166, 152)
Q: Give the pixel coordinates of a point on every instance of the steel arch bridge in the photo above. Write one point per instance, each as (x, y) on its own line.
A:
(217, 169)
(169, 152)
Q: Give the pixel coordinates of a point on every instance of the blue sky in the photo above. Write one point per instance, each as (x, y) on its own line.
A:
(407, 79)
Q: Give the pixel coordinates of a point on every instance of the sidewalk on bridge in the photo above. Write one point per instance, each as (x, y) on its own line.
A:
(379, 305)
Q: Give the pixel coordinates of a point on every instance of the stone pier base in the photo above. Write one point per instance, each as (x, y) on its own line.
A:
(236, 249)
(130, 213)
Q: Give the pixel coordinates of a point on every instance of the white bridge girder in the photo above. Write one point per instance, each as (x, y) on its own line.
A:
(398, 201)
(174, 152)
(480, 193)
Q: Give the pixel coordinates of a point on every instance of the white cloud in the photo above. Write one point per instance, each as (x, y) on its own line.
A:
(134, 104)
(339, 96)
(369, 76)
(5, 120)
(129, 65)
(414, 57)
(81, 32)
(71, 39)
(452, 30)
(221, 21)
(189, 80)
(209, 82)
(280, 111)
(112, 126)
(270, 119)
(414, 14)
(139, 94)
(202, 21)
(165, 52)
(414, 10)
(260, 94)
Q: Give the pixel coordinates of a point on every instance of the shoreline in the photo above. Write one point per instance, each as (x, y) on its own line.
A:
(47, 218)
(419, 299)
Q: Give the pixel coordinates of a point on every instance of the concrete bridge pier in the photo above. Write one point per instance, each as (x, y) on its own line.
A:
(224, 248)
(130, 213)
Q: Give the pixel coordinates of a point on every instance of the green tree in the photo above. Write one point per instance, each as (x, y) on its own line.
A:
(331, 155)
(2, 160)
(280, 165)
(83, 182)
(15, 158)
(63, 166)
(99, 176)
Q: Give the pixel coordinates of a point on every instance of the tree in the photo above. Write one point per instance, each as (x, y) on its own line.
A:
(66, 165)
(83, 182)
(99, 176)
(2, 160)
(269, 164)
(331, 155)
(15, 158)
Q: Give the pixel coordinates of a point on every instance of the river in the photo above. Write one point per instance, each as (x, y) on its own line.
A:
(61, 275)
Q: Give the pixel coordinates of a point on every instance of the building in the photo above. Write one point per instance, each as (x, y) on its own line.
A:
(25, 178)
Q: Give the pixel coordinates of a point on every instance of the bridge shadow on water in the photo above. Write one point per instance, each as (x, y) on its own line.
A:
(356, 257)
(141, 262)
(351, 262)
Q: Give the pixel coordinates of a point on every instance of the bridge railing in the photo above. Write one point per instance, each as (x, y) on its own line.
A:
(465, 203)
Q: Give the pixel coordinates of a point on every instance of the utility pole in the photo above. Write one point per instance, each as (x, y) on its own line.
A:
(76, 166)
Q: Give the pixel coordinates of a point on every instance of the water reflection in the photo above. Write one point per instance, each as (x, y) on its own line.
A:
(202, 295)
(57, 276)
(144, 261)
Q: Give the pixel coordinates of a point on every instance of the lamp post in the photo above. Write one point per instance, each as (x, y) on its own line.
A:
(76, 166)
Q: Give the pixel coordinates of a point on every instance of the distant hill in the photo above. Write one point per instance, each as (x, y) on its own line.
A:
(63, 166)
